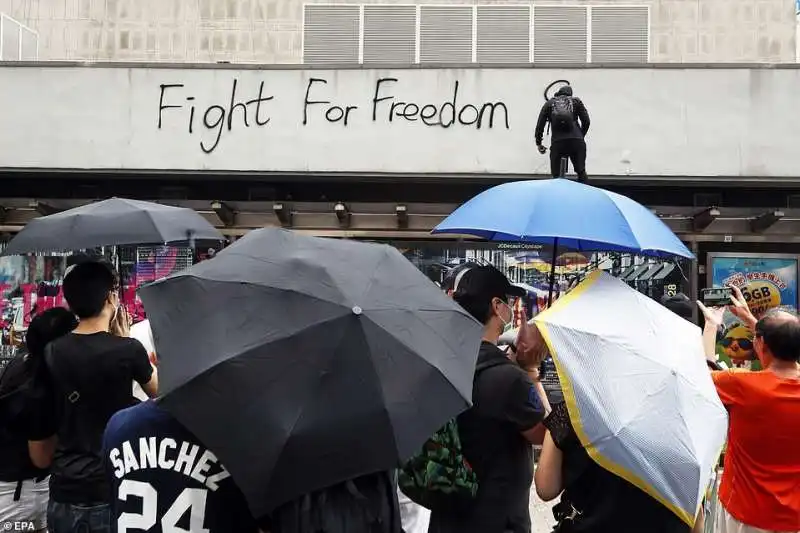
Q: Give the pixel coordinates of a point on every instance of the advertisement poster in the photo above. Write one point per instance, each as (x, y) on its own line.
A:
(766, 283)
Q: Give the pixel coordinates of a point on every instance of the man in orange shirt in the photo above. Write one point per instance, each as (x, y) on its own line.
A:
(760, 490)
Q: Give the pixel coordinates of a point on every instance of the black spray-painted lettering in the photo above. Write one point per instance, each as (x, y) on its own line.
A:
(445, 114)
(217, 117)
(333, 113)
(211, 119)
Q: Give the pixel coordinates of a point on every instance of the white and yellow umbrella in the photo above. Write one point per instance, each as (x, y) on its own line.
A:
(638, 390)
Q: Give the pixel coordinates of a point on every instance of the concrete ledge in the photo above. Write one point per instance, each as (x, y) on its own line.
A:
(427, 66)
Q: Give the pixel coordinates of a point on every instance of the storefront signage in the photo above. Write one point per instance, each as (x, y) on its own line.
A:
(644, 121)
(766, 282)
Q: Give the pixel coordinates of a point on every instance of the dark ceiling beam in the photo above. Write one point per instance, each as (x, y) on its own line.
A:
(43, 208)
(284, 214)
(704, 219)
(226, 215)
(765, 221)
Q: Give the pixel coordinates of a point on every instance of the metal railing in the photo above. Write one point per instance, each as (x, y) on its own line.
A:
(18, 42)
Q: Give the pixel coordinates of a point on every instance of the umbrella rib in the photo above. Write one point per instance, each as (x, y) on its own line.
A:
(416, 317)
(602, 336)
(259, 342)
(380, 383)
(371, 281)
(261, 260)
(300, 412)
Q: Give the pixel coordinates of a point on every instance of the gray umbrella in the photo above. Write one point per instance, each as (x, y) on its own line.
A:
(303, 362)
(112, 222)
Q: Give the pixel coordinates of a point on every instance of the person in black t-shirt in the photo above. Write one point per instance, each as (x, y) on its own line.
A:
(26, 415)
(92, 371)
(163, 478)
(593, 500)
(508, 404)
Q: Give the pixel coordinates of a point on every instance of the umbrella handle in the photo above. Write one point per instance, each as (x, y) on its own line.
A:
(552, 273)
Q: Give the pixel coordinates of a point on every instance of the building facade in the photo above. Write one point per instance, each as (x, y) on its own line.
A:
(376, 119)
(439, 31)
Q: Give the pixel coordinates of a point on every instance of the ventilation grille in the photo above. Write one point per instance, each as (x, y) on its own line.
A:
(503, 34)
(331, 34)
(390, 34)
(559, 34)
(620, 34)
(445, 34)
(461, 34)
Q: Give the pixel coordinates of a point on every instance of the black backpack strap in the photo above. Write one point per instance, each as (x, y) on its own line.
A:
(70, 392)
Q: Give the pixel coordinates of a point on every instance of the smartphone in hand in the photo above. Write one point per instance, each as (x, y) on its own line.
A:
(717, 296)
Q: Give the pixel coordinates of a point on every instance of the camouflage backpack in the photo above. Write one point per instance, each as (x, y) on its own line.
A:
(440, 474)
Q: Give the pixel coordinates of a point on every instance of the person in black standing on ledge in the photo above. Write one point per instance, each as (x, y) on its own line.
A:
(569, 124)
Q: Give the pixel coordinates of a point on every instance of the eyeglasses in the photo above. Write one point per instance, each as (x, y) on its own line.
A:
(744, 344)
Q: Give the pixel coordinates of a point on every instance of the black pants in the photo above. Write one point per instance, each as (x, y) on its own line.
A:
(575, 151)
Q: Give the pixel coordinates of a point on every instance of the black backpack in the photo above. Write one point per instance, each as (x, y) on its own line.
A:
(440, 475)
(562, 113)
(21, 379)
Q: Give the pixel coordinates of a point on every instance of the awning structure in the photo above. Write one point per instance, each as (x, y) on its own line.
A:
(415, 220)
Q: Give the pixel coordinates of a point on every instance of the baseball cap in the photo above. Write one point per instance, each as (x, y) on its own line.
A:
(454, 275)
(486, 283)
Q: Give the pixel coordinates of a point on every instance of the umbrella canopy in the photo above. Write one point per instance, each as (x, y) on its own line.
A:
(572, 259)
(111, 222)
(303, 362)
(560, 212)
(638, 390)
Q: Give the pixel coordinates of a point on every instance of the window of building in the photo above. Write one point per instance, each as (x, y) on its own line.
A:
(403, 34)
(560, 34)
(331, 34)
(503, 34)
(445, 34)
(390, 34)
(620, 34)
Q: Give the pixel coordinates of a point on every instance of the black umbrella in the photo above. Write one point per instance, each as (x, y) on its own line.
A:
(303, 362)
(112, 222)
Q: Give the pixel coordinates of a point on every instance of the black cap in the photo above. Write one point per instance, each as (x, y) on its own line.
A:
(564, 91)
(486, 282)
(454, 275)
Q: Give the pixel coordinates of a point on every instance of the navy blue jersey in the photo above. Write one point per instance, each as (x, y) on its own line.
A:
(165, 481)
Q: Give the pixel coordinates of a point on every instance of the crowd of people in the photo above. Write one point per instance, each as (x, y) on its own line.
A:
(79, 454)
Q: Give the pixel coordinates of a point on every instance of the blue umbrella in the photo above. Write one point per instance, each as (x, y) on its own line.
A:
(564, 213)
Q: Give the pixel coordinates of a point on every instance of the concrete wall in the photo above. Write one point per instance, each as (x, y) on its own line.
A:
(722, 122)
(270, 31)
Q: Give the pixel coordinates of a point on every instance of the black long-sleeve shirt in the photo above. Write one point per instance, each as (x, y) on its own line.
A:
(579, 129)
